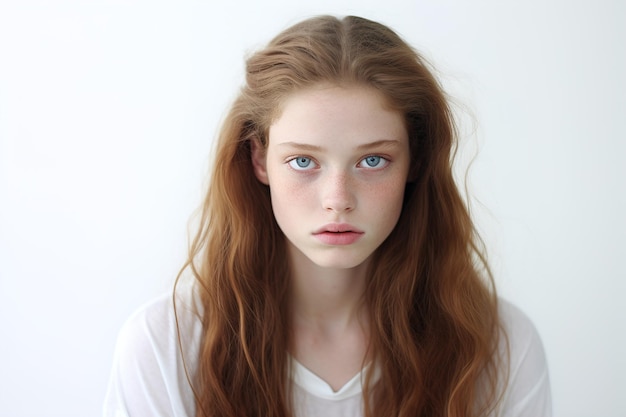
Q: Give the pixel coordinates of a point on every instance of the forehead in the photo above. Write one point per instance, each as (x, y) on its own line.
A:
(330, 113)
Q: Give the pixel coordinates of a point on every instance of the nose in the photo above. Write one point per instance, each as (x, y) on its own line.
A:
(338, 194)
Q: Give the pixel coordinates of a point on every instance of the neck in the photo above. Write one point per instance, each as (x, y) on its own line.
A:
(329, 322)
(325, 297)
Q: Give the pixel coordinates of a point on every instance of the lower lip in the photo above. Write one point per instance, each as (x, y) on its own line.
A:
(343, 238)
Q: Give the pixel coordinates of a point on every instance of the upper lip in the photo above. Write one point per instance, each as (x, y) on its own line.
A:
(337, 228)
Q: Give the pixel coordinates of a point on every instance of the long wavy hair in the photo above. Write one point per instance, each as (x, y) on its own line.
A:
(432, 305)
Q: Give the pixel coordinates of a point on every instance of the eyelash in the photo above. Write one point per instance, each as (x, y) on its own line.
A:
(293, 162)
(381, 160)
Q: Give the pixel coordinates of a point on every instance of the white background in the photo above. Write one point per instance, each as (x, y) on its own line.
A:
(108, 109)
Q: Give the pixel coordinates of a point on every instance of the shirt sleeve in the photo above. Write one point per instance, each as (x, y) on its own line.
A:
(528, 390)
(149, 376)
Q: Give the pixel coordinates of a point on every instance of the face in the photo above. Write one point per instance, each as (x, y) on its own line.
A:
(336, 165)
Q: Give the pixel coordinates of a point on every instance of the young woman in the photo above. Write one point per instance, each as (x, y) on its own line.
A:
(336, 269)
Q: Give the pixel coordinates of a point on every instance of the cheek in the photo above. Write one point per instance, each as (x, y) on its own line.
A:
(387, 198)
(288, 200)
(393, 211)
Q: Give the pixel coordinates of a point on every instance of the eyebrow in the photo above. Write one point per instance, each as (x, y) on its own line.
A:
(364, 147)
(379, 143)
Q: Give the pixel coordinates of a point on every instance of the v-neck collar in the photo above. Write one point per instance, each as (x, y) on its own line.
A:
(314, 385)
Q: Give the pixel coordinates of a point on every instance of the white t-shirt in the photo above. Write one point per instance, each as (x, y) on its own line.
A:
(149, 377)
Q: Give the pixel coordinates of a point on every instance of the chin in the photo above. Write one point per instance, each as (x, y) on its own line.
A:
(341, 261)
(337, 258)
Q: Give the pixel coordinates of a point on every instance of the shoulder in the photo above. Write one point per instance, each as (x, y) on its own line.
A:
(157, 325)
(155, 357)
(527, 392)
(523, 339)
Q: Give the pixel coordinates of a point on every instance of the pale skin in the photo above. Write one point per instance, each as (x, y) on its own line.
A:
(336, 164)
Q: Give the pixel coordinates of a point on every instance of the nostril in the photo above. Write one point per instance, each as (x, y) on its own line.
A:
(339, 207)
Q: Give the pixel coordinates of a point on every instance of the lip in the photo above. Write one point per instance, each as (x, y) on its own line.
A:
(338, 234)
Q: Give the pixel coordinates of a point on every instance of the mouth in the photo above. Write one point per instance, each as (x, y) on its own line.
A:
(338, 228)
(338, 234)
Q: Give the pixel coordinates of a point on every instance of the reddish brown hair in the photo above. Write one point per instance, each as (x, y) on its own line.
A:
(433, 309)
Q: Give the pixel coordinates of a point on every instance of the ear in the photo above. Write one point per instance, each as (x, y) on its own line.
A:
(258, 156)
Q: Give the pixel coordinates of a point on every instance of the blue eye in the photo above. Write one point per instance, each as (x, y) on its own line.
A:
(373, 161)
(301, 163)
